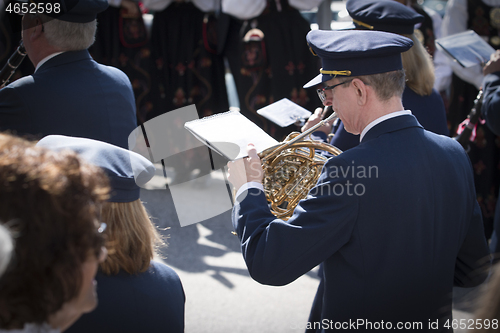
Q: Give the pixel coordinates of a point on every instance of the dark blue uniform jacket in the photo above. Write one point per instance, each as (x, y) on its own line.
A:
(72, 95)
(151, 302)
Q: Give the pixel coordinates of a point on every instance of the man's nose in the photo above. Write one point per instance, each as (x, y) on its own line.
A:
(328, 100)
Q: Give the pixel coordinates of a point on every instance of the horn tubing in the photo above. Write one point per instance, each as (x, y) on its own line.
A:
(299, 137)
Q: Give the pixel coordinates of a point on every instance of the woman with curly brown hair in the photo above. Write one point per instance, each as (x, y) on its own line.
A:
(136, 294)
(50, 202)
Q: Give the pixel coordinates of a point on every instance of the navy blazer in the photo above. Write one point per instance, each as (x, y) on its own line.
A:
(151, 302)
(394, 220)
(490, 111)
(491, 101)
(429, 111)
(72, 95)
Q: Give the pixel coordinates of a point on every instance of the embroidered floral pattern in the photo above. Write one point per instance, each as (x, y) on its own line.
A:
(179, 97)
(159, 63)
(205, 62)
(180, 68)
(290, 67)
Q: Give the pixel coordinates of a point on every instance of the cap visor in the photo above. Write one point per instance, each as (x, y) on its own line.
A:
(317, 80)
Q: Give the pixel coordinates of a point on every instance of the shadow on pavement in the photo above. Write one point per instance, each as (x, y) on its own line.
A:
(188, 247)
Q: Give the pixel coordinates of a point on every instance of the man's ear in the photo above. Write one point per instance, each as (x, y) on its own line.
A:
(360, 91)
(37, 31)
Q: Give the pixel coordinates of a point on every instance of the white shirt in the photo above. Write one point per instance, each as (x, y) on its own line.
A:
(203, 5)
(247, 9)
(47, 58)
(249, 185)
(115, 3)
(259, 186)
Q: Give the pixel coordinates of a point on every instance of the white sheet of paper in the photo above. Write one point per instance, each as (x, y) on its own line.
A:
(284, 112)
(229, 133)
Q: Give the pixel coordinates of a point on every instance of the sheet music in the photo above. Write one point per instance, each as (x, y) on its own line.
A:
(467, 48)
(284, 112)
(229, 133)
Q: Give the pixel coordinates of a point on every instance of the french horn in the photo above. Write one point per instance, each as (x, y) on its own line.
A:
(292, 168)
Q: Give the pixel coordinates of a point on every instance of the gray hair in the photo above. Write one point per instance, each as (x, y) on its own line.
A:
(6, 247)
(386, 85)
(69, 36)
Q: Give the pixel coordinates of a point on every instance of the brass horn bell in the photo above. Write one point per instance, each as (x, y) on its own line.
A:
(292, 168)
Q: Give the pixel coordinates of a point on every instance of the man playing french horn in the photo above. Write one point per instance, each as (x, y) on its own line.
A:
(391, 254)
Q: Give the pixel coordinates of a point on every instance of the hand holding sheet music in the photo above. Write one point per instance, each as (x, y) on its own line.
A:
(493, 65)
(284, 112)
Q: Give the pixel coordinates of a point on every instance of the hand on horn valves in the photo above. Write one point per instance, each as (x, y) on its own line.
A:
(246, 169)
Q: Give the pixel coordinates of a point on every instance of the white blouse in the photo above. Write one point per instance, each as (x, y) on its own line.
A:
(203, 5)
(247, 9)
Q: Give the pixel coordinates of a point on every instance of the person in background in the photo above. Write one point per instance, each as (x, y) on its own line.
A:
(268, 58)
(480, 16)
(427, 32)
(51, 204)
(122, 41)
(419, 96)
(136, 294)
(69, 93)
(490, 111)
(186, 67)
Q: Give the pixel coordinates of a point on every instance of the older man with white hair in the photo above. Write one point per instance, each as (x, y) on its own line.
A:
(69, 93)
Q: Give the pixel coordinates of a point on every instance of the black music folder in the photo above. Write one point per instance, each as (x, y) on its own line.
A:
(467, 48)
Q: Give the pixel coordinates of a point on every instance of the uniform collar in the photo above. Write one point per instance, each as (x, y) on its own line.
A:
(64, 58)
(47, 58)
(381, 119)
(391, 124)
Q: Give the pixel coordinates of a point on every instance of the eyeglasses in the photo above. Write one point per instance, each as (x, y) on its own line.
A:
(322, 94)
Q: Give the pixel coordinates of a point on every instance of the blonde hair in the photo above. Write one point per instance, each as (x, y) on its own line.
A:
(132, 238)
(419, 68)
